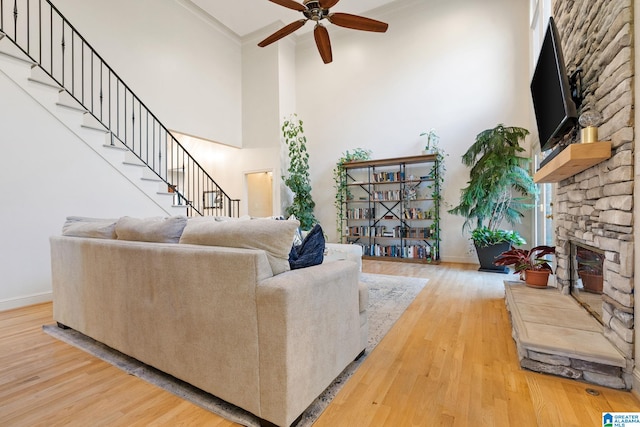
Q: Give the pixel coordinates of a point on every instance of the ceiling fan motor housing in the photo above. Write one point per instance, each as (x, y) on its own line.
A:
(314, 11)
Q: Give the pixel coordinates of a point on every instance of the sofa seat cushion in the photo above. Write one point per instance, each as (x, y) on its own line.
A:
(274, 237)
(158, 230)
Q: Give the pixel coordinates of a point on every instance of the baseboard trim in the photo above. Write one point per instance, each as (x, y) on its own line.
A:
(24, 301)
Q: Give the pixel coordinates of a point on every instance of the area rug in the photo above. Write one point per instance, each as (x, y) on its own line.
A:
(389, 297)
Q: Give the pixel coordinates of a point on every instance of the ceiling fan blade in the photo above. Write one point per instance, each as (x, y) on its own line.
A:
(290, 4)
(321, 35)
(283, 32)
(327, 4)
(356, 22)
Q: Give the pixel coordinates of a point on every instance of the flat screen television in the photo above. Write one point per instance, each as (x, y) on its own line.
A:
(555, 111)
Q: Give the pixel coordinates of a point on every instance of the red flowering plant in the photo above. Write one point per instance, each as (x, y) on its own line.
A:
(523, 259)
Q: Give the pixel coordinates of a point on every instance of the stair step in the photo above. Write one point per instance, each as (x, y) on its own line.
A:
(38, 75)
(132, 160)
(115, 147)
(134, 164)
(113, 141)
(12, 52)
(65, 100)
(149, 175)
(90, 122)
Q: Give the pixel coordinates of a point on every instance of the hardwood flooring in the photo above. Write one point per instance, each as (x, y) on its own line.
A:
(449, 360)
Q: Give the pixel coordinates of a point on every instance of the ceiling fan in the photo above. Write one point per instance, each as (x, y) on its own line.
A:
(317, 10)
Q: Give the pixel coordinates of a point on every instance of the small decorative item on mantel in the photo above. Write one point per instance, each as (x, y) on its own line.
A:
(529, 263)
(589, 120)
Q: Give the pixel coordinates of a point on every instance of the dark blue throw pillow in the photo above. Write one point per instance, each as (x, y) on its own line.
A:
(310, 251)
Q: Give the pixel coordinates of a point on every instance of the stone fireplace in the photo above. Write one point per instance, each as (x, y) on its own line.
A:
(593, 210)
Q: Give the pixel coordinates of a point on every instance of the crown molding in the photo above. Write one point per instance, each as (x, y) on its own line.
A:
(258, 35)
(209, 20)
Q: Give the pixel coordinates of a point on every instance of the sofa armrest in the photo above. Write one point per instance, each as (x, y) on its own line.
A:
(309, 331)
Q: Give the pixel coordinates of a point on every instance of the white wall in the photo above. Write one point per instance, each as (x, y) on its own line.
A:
(48, 173)
(458, 66)
(183, 66)
(268, 76)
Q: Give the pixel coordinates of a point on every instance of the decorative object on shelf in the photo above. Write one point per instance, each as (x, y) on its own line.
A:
(497, 176)
(298, 180)
(589, 120)
(394, 214)
(530, 263)
(431, 143)
(340, 184)
(317, 10)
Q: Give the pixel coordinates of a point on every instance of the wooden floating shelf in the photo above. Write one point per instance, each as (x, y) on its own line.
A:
(572, 160)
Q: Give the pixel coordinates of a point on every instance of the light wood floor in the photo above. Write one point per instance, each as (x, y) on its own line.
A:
(449, 360)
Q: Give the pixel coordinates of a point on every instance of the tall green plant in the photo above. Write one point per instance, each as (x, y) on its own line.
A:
(500, 186)
(298, 180)
(340, 183)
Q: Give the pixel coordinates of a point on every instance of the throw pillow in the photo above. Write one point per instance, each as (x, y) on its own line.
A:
(310, 251)
(97, 228)
(297, 237)
(273, 237)
(159, 230)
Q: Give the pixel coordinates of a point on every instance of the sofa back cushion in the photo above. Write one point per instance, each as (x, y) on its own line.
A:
(272, 236)
(97, 228)
(159, 230)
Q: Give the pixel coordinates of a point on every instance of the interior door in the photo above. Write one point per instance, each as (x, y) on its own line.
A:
(259, 194)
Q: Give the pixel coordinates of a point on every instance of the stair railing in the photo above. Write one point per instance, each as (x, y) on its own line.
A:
(42, 33)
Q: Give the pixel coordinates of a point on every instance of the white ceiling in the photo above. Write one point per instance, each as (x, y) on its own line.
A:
(246, 16)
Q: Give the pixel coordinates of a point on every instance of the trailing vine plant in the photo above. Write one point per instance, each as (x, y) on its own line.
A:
(298, 180)
(437, 175)
(340, 184)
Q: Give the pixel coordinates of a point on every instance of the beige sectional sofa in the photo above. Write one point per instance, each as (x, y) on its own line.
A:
(233, 321)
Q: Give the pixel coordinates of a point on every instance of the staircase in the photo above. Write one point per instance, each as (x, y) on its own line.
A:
(42, 53)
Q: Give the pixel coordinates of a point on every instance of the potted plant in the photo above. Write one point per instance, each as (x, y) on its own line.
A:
(298, 180)
(499, 189)
(431, 143)
(530, 263)
(590, 270)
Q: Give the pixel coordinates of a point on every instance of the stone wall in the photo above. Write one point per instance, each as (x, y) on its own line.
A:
(595, 207)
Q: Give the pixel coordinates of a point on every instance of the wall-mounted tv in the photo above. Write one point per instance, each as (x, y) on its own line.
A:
(555, 111)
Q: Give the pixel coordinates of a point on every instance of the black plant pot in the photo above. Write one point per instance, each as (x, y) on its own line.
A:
(488, 254)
